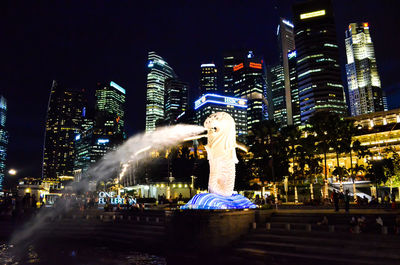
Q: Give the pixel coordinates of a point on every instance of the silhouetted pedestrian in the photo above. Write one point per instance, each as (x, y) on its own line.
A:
(347, 201)
(336, 200)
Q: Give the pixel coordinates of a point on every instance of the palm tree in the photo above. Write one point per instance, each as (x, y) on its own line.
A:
(321, 124)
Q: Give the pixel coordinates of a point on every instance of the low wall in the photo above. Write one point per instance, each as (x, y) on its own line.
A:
(206, 230)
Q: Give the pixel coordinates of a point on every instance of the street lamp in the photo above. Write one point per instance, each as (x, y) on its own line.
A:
(12, 172)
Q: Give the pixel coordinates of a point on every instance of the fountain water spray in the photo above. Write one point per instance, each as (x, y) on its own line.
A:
(134, 149)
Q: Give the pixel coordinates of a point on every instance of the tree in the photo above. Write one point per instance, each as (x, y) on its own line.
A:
(269, 160)
(321, 124)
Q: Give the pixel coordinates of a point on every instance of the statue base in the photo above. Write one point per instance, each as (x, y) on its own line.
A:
(211, 201)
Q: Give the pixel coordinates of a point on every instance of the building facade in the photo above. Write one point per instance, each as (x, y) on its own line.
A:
(318, 70)
(158, 72)
(110, 111)
(3, 139)
(277, 87)
(212, 103)
(208, 79)
(249, 82)
(285, 34)
(365, 92)
(294, 90)
(63, 122)
(176, 99)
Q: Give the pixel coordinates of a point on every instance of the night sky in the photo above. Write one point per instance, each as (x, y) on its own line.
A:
(79, 43)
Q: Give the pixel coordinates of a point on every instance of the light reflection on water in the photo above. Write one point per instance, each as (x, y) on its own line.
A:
(87, 255)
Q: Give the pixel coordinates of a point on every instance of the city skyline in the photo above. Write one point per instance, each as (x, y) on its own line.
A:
(31, 69)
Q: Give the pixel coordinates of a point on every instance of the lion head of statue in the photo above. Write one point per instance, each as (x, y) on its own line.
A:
(221, 134)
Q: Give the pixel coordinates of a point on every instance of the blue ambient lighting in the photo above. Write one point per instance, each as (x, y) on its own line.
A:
(214, 98)
(118, 87)
(211, 201)
(102, 141)
(292, 54)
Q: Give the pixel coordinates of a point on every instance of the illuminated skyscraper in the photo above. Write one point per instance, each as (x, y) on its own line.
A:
(286, 45)
(212, 103)
(64, 120)
(208, 79)
(294, 90)
(363, 80)
(277, 86)
(176, 99)
(318, 70)
(159, 71)
(3, 139)
(110, 113)
(249, 83)
(102, 131)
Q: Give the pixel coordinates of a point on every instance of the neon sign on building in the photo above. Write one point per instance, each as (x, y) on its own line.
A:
(214, 98)
(313, 14)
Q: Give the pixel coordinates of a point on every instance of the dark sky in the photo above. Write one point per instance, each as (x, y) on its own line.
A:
(82, 42)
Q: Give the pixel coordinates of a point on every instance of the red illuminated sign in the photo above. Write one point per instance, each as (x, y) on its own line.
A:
(256, 65)
(365, 25)
(237, 67)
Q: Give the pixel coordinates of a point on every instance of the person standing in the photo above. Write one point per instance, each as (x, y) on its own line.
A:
(347, 201)
(336, 200)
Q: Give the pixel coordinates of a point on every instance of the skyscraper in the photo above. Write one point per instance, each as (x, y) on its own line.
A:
(176, 99)
(208, 79)
(318, 71)
(159, 71)
(286, 44)
(294, 90)
(63, 122)
(212, 103)
(365, 93)
(110, 113)
(249, 83)
(277, 87)
(3, 139)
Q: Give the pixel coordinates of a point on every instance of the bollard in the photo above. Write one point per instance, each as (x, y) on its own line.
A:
(254, 225)
(114, 217)
(384, 230)
(268, 226)
(287, 227)
(101, 217)
(157, 220)
(87, 217)
(308, 227)
(331, 228)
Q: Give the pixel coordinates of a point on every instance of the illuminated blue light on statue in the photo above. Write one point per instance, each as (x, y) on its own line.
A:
(210, 201)
(222, 100)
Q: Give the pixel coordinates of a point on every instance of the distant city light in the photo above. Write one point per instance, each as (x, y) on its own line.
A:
(103, 141)
(150, 64)
(77, 137)
(12, 172)
(292, 54)
(288, 23)
(207, 65)
(313, 14)
(118, 87)
(222, 100)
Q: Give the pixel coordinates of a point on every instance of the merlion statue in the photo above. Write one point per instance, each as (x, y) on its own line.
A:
(221, 153)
